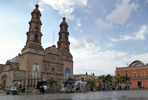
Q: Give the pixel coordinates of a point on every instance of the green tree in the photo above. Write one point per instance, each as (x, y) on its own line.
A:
(70, 79)
(107, 78)
(122, 79)
(101, 77)
(91, 82)
(51, 81)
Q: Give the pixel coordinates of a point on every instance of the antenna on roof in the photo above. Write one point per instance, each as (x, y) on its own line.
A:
(64, 15)
(37, 1)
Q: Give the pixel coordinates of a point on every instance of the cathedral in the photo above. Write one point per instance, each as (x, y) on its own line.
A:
(35, 63)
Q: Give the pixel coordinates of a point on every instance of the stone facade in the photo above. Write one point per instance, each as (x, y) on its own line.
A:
(85, 77)
(35, 62)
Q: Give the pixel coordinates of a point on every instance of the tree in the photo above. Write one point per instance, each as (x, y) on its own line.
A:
(51, 81)
(92, 83)
(122, 79)
(107, 78)
(125, 80)
(70, 79)
(101, 77)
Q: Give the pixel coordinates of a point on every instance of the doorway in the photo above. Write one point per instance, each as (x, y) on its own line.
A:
(139, 83)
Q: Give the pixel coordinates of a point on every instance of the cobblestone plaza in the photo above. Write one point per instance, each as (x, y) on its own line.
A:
(98, 95)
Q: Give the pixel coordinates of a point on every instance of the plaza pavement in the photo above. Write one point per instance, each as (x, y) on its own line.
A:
(97, 95)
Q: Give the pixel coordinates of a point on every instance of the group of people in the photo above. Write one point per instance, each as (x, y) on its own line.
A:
(43, 88)
(67, 88)
(72, 88)
(15, 89)
(112, 88)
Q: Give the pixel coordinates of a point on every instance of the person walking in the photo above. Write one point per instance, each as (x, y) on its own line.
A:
(20, 88)
(77, 87)
(45, 88)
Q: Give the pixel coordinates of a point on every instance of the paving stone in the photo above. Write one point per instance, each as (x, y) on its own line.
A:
(98, 95)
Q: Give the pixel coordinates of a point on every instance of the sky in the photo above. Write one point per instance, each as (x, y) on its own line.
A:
(104, 34)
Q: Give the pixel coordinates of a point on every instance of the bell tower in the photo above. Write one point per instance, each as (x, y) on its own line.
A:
(64, 48)
(34, 34)
(32, 54)
(63, 43)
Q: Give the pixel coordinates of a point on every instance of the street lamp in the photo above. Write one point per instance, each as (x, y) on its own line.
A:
(28, 79)
(126, 74)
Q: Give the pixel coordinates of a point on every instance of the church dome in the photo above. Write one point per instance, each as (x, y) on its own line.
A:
(136, 63)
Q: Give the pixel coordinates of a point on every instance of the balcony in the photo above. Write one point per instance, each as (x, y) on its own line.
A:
(139, 77)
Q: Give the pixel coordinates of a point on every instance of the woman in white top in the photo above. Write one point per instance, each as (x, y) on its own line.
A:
(13, 89)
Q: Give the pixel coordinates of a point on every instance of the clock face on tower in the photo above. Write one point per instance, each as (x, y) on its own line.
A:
(36, 51)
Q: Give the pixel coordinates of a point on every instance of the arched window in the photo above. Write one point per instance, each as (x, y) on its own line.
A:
(66, 37)
(65, 46)
(53, 70)
(36, 38)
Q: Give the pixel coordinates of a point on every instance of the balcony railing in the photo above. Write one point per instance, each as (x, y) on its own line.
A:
(139, 77)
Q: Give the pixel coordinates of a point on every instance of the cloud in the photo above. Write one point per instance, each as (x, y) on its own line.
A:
(41, 9)
(122, 12)
(113, 39)
(9, 50)
(90, 58)
(85, 42)
(78, 23)
(128, 25)
(139, 35)
(146, 1)
(103, 11)
(108, 44)
(103, 25)
(65, 6)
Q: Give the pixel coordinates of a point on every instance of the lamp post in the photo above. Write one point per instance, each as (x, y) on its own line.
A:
(126, 80)
(126, 73)
(28, 79)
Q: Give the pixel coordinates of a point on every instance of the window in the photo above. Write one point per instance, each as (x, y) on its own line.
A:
(134, 74)
(36, 38)
(52, 70)
(65, 46)
(36, 27)
(66, 37)
(143, 74)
